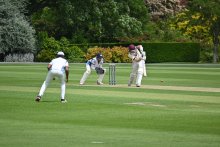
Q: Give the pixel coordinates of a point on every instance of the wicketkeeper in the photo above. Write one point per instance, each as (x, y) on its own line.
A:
(59, 68)
(95, 64)
(137, 65)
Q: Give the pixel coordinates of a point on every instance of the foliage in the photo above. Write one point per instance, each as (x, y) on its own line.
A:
(197, 31)
(156, 52)
(163, 8)
(92, 52)
(50, 47)
(120, 54)
(74, 54)
(116, 54)
(90, 20)
(16, 34)
(41, 37)
(45, 21)
(51, 44)
(202, 23)
(172, 52)
(210, 13)
(206, 56)
(45, 55)
(159, 29)
(28, 57)
(162, 31)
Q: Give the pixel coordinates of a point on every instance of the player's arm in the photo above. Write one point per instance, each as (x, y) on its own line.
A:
(137, 59)
(49, 66)
(139, 56)
(131, 56)
(134, 58)
(101, 63)
(67, 73)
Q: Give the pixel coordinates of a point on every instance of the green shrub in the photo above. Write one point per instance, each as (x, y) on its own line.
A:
(50, 47)
(206, 57)
(45, 56)
(51, 44)
(74, 54)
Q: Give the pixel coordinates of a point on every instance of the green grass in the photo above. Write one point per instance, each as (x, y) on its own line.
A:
(111, 116)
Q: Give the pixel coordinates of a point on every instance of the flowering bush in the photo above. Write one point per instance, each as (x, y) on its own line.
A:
(116, 54)
(28, 57)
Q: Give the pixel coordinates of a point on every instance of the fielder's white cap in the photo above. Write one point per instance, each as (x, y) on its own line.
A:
(60, 53)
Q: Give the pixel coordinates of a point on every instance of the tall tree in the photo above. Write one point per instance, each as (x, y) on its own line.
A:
(91, 20)
(16, 34)
(210, 12)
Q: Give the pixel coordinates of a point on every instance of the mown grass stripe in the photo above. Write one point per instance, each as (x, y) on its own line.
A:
(125, 93)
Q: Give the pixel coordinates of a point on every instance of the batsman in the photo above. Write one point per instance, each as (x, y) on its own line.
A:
(95, 64)
(137, 58)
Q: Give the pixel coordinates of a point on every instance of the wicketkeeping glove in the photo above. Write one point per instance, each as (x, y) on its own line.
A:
(99, 70)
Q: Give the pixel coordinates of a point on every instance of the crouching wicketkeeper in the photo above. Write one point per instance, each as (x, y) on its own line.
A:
(95, 64)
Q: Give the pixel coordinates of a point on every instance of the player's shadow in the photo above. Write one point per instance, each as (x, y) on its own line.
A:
(50, 101)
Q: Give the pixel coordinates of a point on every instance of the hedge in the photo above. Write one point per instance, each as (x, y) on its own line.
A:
(156, 52)
(172, 52)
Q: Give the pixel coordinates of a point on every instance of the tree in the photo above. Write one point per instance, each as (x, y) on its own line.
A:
(209, 14)
(16, 34)
(161, 12)
(90, 20)
(164, 8)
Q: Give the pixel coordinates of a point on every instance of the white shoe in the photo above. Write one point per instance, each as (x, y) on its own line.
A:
(63, 101)
(99, 83)
(81, 83)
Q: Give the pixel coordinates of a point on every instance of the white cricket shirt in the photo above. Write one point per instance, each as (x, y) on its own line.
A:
(59, 64)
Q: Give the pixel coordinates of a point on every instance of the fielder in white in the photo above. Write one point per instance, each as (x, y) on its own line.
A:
(137, 65)
(59, 68)
(95, 64)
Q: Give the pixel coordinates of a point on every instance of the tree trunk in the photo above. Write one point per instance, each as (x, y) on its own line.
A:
(216, 32)
(215, 53)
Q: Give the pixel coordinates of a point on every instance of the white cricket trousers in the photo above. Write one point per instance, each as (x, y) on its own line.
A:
(137, 72)
(88, 72)
(52, 74)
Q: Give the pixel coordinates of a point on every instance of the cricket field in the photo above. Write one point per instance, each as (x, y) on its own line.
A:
(178, 105)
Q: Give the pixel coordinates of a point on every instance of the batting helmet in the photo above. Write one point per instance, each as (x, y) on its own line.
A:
(99, 56)
(131, 47)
